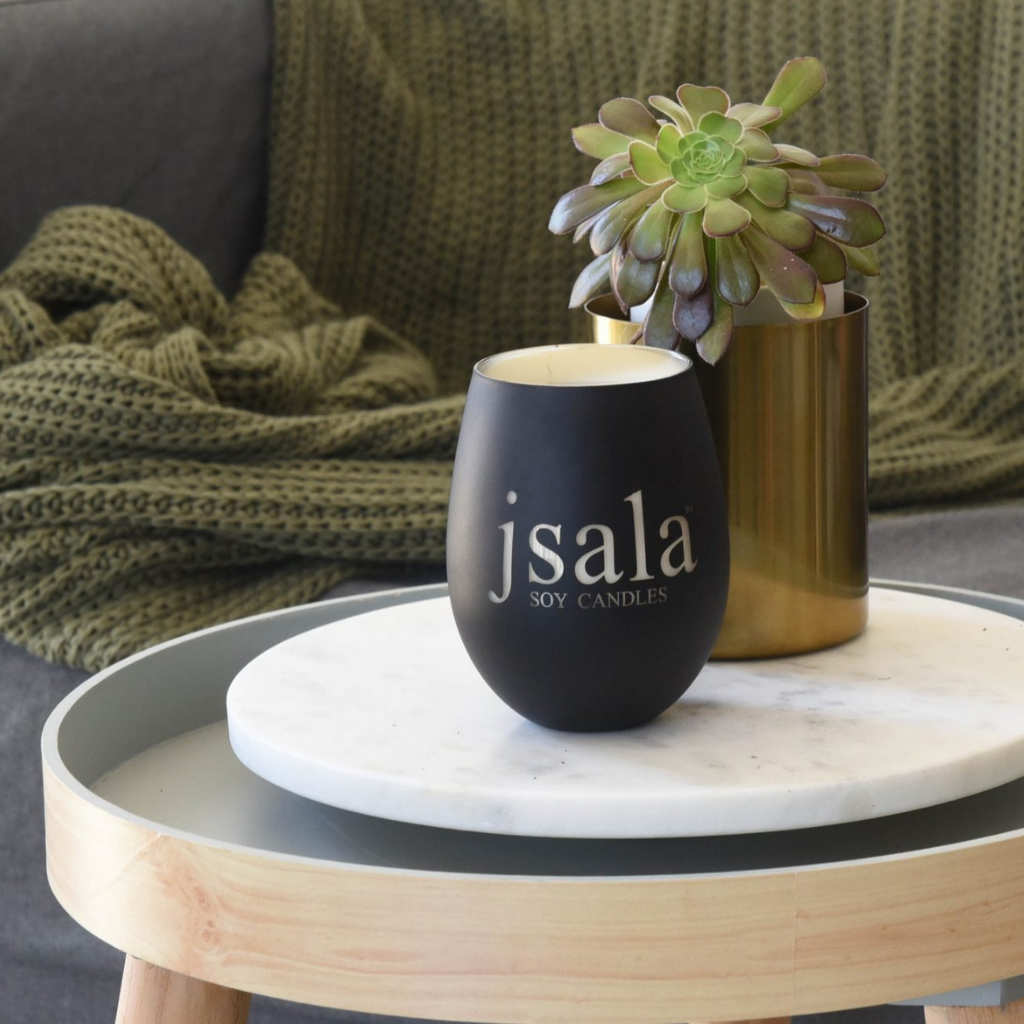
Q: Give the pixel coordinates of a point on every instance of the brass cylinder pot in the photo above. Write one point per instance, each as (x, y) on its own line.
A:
(788, 411)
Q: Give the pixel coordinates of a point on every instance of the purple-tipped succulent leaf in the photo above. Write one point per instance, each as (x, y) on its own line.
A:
(736, 277)
(583, 228)
(629, 117)
(693, 316)
(597, 141)
(614, 222)
(768, 185)
(679, 114)
(685, 199)
(805, 181)
(726, 188)
(756, 144)
(659, 330)
(668, 142)
(688, 270)
(632, 281)
(807, 310)
(826, 259)
(593, 280)
(852, 171)
(581, 203)
(864, 261)
(796, 155)
(723, 217)
(753, 115)
(699, 100)
(728, 128)
(853, 222)
(647, 165)
(799, 80)
(610, 167)
(788, 276)
(649, 240)
(700, 210)
(711, 345)
(787, 228)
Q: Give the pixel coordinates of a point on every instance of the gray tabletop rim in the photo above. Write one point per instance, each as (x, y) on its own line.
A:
(54, 761)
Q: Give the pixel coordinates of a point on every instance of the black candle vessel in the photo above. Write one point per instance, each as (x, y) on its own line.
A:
(588, 549)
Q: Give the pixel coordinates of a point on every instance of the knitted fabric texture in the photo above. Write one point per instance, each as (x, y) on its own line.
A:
(169, 461)
(419, 149)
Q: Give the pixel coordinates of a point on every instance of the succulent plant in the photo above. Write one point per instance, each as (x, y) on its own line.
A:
(699, 208)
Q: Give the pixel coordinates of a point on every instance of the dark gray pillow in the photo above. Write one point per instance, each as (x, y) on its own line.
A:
(157, 106)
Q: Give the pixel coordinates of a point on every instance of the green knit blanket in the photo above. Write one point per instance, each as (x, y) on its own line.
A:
(427, 199)
(169, 459)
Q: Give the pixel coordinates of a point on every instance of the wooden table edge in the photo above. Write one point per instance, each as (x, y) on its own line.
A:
(636, 949)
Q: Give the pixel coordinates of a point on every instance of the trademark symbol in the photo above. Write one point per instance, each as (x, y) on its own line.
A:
(688, 509)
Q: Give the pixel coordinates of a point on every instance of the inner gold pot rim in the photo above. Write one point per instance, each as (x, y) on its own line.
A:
(604, 307)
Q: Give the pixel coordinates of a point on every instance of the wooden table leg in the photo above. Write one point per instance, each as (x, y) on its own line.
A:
(152, 995)
(1012, 1013)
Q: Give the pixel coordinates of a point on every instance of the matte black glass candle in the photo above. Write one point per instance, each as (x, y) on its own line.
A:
(588, 550)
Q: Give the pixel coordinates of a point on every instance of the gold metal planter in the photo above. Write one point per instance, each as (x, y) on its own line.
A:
(788, 410)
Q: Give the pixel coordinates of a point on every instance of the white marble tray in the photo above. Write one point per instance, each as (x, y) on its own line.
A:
(384, 714)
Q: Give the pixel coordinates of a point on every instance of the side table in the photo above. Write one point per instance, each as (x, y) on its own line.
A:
(217, 884)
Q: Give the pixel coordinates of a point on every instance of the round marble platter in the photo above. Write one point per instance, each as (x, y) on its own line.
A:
(384, 714)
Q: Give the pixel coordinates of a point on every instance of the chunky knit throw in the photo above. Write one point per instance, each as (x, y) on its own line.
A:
(169, 459)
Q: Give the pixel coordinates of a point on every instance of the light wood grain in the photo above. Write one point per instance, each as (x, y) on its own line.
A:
(762, 1020)
(1012, 1013)
(152, 995)
(914, 924)
(541, 950)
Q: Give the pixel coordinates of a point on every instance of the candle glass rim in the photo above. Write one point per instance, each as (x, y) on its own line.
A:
(615, 354)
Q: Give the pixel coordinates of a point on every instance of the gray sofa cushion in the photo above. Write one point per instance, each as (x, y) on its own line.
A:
(157, 106)
(979, 548)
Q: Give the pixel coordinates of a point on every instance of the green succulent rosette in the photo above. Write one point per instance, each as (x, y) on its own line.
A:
(697, 209)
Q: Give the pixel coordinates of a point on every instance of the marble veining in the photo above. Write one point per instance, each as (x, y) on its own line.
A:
(384, 714)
